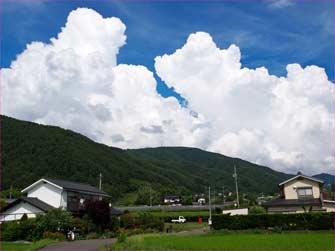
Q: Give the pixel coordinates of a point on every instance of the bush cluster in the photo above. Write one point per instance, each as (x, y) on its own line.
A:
(54, 225)
(303, 221)
(144, 221)
(56, 220)
(19, 230)
(257, 210)
(54, 235)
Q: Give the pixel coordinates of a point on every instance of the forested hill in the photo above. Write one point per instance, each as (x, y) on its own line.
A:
(31, 151)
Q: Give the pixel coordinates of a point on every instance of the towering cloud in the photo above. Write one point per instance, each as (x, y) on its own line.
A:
(75, 82)
(285, 122)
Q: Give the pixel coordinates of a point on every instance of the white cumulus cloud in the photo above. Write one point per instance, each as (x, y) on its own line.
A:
(283, 122)
(75, 82)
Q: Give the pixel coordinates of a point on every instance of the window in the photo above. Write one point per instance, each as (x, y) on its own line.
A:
(305, 192)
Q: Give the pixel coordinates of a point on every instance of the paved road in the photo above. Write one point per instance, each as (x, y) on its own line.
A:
(84, 245)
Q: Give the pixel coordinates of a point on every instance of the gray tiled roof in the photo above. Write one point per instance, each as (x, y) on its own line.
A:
(78, 187)
(32, 201)
(299, 202)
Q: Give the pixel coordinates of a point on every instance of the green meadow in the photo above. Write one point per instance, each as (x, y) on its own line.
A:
(230, 241)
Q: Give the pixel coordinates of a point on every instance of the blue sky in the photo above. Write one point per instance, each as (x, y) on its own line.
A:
(241, 113)
(269, 33)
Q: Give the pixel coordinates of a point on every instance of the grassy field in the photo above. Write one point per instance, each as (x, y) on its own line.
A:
(186, 226)
(4, 246)
(176, 214)
(222, 241)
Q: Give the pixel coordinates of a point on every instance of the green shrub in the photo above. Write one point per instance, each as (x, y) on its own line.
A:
(218, 210)
(89, 226)
(92, 235)
(257, 210)
(127, 221)
(122, 237)
(55, 220)
(110, 234)
(19, 230)
(278, 230)
(54, 235)
(148, 221)
(114, 224)
(303, 221)
(79, 224)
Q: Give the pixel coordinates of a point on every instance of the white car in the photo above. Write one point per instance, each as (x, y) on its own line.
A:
(180, 219)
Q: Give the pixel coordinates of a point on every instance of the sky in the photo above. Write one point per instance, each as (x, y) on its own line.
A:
(248, 79)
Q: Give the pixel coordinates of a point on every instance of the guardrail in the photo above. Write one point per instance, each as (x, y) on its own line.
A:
(172, 208)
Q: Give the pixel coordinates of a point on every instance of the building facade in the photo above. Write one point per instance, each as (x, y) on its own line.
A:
(297, 195)
(48, 193)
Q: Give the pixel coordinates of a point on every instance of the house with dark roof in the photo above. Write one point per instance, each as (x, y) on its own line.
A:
(47, 193)
(298, 194)
(23, 206)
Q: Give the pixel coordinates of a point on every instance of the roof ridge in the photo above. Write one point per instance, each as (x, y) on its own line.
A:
(82, 183)
(300, 175)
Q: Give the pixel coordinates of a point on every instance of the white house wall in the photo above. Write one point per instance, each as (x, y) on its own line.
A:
(16, 212)
(48, 194)
(291, 192)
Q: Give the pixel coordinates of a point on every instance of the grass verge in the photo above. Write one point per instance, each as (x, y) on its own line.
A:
(4, 246)
(185, 226)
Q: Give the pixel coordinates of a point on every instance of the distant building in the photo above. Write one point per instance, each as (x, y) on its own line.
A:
(47, 193)
(201, 201)
(297, 195)
(172, 199)
(328, 205)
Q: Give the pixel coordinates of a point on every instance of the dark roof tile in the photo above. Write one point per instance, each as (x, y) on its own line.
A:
(299, 202)
(77, 186)
(32, 201)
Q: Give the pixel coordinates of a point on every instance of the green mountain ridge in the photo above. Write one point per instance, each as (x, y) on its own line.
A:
(31, 151)
(327, 178)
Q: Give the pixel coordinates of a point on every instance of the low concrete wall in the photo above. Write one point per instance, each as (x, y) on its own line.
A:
(239, 211)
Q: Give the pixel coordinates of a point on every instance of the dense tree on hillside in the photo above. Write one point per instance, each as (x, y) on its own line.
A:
(31, 151)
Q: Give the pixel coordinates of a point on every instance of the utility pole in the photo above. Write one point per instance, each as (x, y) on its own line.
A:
(214, 197)
(100, 178)
(150, 197)
(10, 191)
(210, 207)
(235, 176)
(223, 198)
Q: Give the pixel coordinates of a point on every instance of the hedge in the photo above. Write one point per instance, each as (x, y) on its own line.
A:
(188, 218)
(302, 221)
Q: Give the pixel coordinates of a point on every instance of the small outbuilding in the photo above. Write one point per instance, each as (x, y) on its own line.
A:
(28, 206)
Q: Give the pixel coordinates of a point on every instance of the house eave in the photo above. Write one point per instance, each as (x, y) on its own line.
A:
(37, 182)
(303, 176)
